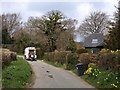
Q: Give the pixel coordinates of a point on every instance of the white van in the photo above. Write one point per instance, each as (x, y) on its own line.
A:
(30, 53)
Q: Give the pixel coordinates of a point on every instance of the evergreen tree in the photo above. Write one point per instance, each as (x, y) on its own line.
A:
(113, 40)
(6, 39)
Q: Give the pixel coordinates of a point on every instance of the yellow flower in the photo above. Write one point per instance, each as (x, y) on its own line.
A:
(114, 85)
(116, 77)
(106, 78)
(88, 71)
(117, 50)
(98, 82)
(112, 51)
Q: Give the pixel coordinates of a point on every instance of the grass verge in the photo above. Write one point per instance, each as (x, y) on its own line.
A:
(17, 74)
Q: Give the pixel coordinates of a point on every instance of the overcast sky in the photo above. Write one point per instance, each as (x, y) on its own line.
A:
(76, 9)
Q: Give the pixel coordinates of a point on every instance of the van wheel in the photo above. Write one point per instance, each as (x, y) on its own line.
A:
(34, 59)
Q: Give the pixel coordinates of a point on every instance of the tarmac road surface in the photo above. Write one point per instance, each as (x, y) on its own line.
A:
(48, 76)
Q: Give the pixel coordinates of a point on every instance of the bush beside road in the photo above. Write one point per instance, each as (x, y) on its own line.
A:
(7, 56)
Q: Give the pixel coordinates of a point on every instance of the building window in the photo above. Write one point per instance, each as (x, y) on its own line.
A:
(94, 40)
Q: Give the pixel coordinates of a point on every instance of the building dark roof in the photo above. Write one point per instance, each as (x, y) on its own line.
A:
(94, 40)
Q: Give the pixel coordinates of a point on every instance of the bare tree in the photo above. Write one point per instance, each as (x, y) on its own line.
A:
(22, 39)
(95, 23)
(64, 40)
(10, 22)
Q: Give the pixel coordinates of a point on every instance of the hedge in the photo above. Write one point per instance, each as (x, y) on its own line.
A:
(62, 57)
(109, 61)
(7, 56)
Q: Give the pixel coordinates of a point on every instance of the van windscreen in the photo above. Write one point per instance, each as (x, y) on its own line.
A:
(31, 52)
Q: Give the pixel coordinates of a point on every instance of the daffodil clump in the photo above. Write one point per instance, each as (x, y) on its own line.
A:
(91, 68)
(115, 51)
(103, 79)
(88, 71)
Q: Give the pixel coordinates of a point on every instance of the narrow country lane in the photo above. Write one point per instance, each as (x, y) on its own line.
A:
(48, 76)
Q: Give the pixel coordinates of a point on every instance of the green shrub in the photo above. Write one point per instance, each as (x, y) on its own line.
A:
(81, 50)
(72, 61)
(72, 47)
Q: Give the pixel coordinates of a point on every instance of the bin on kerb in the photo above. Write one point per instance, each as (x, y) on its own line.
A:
(80, 68)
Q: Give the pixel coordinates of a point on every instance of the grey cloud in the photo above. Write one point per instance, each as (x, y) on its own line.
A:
(48, 6)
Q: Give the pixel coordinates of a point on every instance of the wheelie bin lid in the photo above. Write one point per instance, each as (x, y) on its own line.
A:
(79, 64)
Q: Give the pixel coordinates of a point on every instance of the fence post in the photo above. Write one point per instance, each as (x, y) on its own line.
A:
(66, 65)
